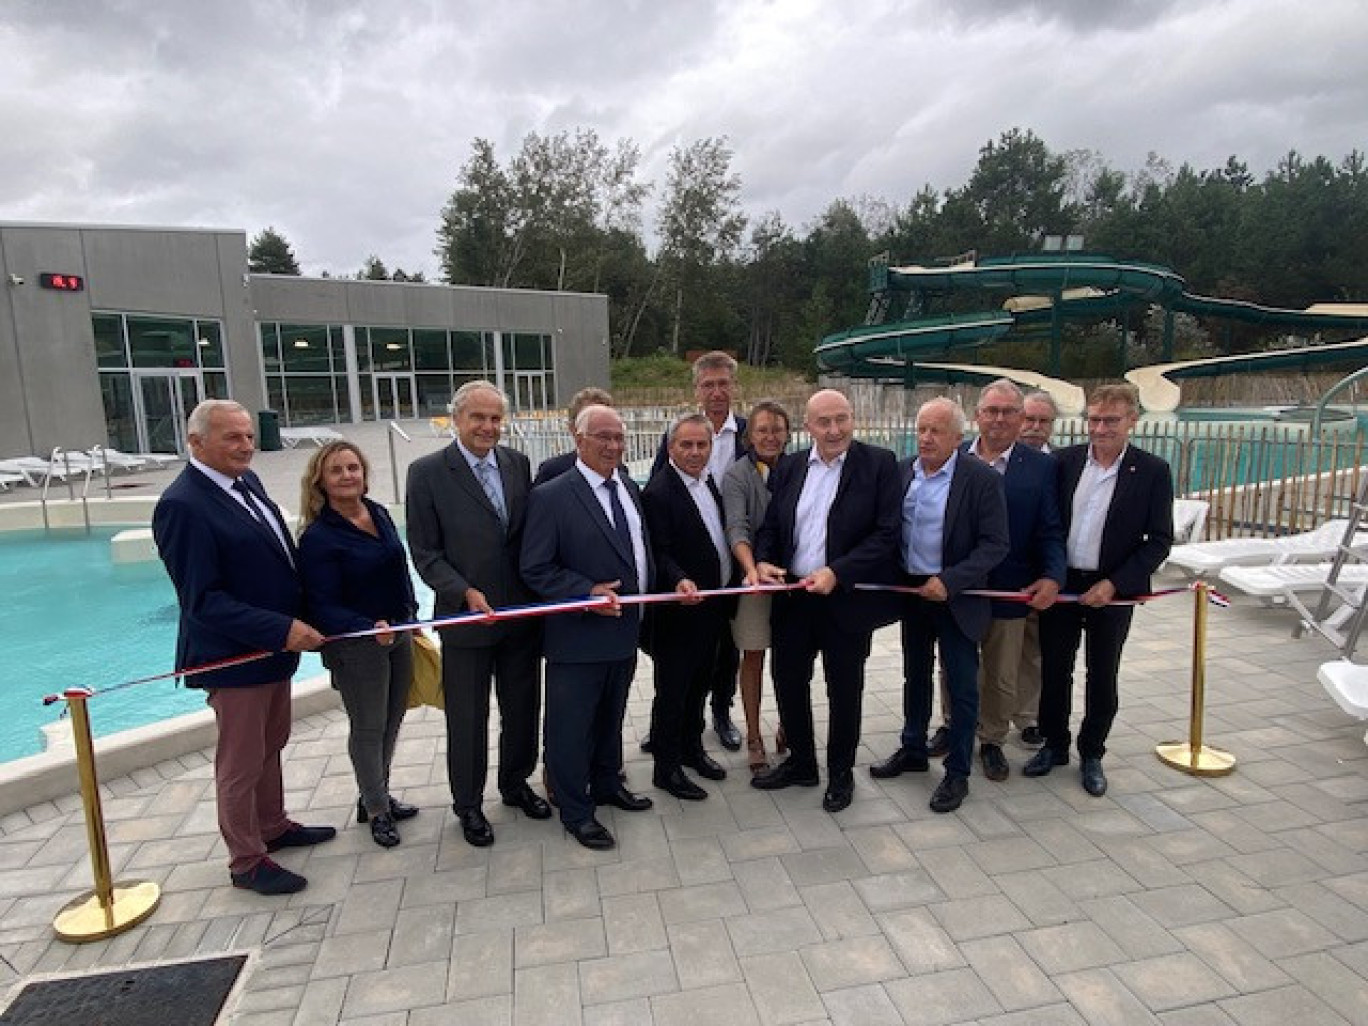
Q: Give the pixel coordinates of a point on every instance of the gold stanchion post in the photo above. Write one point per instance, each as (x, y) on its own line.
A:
(1192, 756)
(109, 908)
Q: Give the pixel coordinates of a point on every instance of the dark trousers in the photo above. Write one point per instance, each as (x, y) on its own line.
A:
(373, 680)
(585, 703)
(927, 625)
(722, 678)
(1062, 628)
(684, 667)
(511, 668)
(802, 626)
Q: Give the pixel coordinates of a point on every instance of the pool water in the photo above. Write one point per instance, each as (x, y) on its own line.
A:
(74, 618)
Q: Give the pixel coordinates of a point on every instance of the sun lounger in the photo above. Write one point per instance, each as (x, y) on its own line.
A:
(1189, 519)
(34, 470)
(7, 479)
(1347, 684)
(1200, 559)
(320, 436)
(133, 460)
(1276, 580)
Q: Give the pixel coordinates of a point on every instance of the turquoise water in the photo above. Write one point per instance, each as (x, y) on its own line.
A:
(74, 618)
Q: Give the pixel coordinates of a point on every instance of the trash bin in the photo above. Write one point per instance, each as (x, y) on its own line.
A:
(268, 431)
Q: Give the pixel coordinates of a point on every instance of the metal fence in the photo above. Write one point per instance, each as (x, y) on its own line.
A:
(1261, 480)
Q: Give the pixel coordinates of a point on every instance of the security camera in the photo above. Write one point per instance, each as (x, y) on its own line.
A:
(14, 279)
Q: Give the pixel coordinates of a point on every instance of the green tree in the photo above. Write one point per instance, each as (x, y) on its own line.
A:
(1017, 189)
(701, 222)
(373, 270)
(270, 253)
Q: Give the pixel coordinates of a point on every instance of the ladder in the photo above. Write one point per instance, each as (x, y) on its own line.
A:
(1341, 624)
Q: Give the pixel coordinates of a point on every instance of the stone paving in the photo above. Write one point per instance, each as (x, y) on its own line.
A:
(1175, 900)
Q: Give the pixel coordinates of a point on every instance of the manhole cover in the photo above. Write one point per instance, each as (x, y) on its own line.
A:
(186, 994)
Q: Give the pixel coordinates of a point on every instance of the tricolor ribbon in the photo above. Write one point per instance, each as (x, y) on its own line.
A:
(1214, 597)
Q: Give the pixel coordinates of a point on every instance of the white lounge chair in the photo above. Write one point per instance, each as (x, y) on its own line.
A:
(320, 436)
(1199, 559)
(7, 479)
(35, 470)
(1347, 683)
(1276, 580)
(1189, 519)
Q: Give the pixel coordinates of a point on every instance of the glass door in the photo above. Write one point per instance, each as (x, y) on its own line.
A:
(163, 402)
(394, 397)
(529, 391)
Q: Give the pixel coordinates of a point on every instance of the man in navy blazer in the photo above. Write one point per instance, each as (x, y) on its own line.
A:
(586, 535)
(688, 543)
(555, 466)
(714, 378)
(833, 523)
(1117, 505)
(231, 558)
(954, 532)
(1034, 565)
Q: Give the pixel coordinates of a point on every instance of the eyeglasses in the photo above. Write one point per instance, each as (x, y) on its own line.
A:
(607, 438)
(1109, 422)
(999, 411)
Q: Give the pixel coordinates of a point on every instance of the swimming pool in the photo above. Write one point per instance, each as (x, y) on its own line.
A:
(74, 617)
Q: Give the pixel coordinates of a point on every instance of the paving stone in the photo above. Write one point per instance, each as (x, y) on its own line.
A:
(640, 875)
(861, 1006)
(1182, 906)
(370, 906)
(956, 876)
(706, 901)
(700, 860)
(892, 891)
(1334, 983)
(423, 935)
(765, 884)
(837, 910)
(352, 953)
(953, 996)
(778, 930)
(395, 990)
(1009, 973)
(1294, 1004)
(481, 966)
(1202, 1015)
(1138, 934)
(1102, 999)
(824, 865)
(780, 988)
(489, 1011)
(547, 995)
(1071, 947)
(1172, 981)
(703, 954)
(834, 965)
(919, 941)
(881, 849)
(499, 912)
(979, 917)
(725, 1003)
(1039, 900)
(619, 977)
(619, 1013)
(1283, 933)
(632, 923)
(565, 940)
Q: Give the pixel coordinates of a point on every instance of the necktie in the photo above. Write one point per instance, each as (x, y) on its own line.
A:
(486, 475)
(255, 508)
(619, 514)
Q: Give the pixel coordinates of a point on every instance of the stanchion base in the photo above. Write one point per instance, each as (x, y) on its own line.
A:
(84, 919)
(1203, 762)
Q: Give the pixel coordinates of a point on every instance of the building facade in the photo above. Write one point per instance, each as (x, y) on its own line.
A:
(111, 335)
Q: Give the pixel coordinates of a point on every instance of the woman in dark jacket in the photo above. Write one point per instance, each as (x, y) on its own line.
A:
(356, 577)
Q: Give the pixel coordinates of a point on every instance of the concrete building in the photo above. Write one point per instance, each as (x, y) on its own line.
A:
(110, 335)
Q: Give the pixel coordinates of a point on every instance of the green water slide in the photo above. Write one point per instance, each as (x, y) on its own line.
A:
(1042, 291)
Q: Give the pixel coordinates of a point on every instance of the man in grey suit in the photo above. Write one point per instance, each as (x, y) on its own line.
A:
(466, 508)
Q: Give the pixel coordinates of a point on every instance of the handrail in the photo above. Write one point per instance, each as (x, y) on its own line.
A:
(1338, 386)
(395, 429)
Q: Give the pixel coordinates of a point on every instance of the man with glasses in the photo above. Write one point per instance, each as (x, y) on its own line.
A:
(586, 535)
(1117, 506)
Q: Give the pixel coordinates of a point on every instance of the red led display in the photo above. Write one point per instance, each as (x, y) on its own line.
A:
(62, 282)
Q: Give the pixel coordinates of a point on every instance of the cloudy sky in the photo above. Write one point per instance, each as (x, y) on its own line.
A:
(344, 123)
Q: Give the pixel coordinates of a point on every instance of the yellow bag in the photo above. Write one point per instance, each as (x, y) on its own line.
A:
(426, 688)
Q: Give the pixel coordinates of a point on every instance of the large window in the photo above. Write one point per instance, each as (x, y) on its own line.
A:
(305, 367)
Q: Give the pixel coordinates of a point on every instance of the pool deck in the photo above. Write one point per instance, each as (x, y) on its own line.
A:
(1177, 900)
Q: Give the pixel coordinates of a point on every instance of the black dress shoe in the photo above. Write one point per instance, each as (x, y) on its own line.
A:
(900, 762)
(646, 744)
(592, 834)
(301, 837)
(994, 762)
(397, 811)
(531, 803)
(1031, 737)
(625, 800)
(1094, 780)
(787, 774)
(726, 731)
(677, 783)
(269, 879)
(840, 791)
(939, 745)
(705, 765)
(475, 828)
(383, 832)
(950, 793)
(1043, 761)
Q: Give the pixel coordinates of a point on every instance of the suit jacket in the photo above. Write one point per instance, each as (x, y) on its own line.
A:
(459, 542)
(662, 456)
(682, 550)
(1138, 531)
(554, 467)
(569, 546)
(974, 541)
(862, 531)
(1037, 533)
(237, 588)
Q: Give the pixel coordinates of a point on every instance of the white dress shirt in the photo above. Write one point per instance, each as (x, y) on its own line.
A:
(226, 483)
(711, 513)
(634, 527)
(814, 507)
(723, 449)
(1091, 500)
